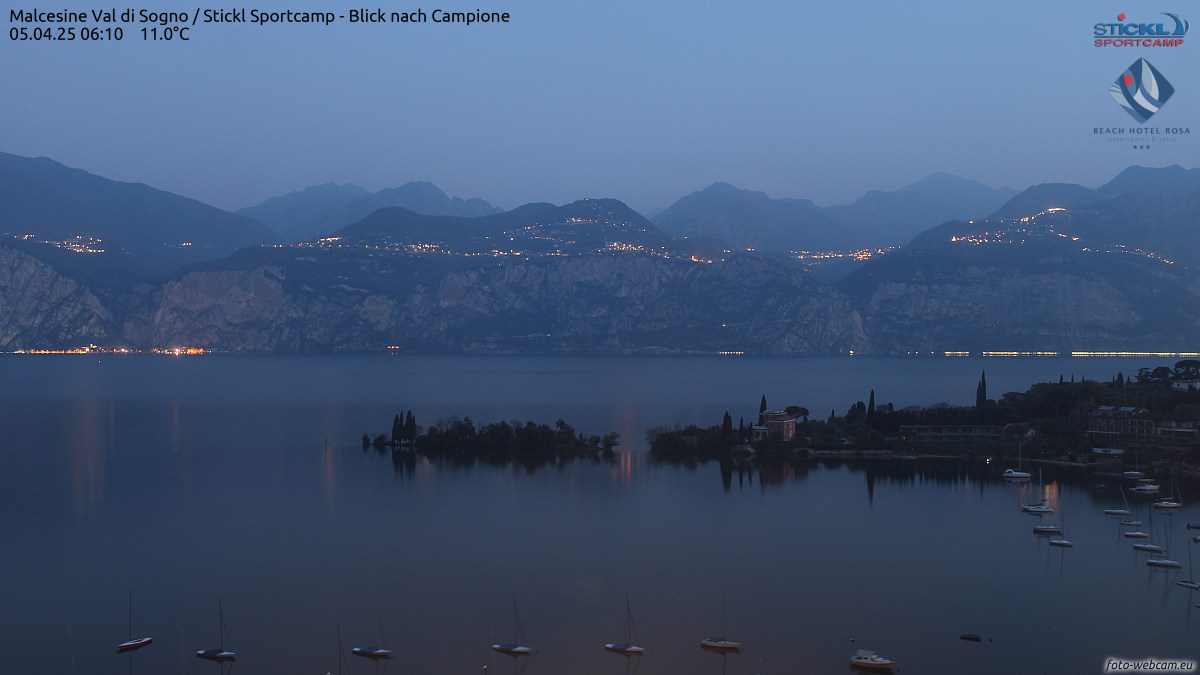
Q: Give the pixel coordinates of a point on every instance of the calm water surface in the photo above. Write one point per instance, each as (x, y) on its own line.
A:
(243, 478)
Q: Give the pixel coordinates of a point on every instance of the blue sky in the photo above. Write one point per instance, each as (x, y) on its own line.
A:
(642, 101)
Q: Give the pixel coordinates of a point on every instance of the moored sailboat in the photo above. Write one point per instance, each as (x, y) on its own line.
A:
(629, 646)
(132, 644)
(517, 646)
(219, 654)
(374, 652)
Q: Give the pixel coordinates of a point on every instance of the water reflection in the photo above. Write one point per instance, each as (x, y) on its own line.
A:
(91, 425)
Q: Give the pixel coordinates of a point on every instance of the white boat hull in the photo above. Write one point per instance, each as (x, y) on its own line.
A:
(624, 649)
(512, 649)
(721, 645)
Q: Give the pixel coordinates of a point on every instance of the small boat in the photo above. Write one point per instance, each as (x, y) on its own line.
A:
(629, 646)
(514, 648)
(720, 644)
(1133, 474)
(132, 644)
(1037, 508)
(869, 660)
(1147, 487)
(1149, 548)
(374, 652)
(1116, 512)
(1196, 540)
(1047, 529)
(1013, 474)
(1062, 541)
(1135, 535)
(1193, 526)
(1131, 523)
(219, 654)
(1166, 503)
(1164, 563)
(971, 637)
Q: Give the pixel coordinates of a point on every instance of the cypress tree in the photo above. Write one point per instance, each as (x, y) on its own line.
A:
(410, 427)
(871, 406)
(397, 430)
(981, 391)
(727, 428)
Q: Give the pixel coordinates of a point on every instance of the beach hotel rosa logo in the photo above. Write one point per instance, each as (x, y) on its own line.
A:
(1133, 34)
(1141, 90)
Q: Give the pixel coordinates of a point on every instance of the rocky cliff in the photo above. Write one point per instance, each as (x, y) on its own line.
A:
(597, 303)
(40, 306)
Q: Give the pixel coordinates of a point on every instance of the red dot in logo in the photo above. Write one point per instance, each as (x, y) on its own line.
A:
(1120, 17)
(1128, 80)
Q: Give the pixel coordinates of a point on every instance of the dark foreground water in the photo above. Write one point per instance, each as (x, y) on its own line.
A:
(188, 479)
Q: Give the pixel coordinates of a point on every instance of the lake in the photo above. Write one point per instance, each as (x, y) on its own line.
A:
(185, 480)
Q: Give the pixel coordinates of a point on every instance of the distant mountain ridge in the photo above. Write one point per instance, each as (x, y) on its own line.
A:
(323, 209)
(745, 219)
(585, 226)
(297, 216)
(1115, 271)
(894, 218)
(156, 230)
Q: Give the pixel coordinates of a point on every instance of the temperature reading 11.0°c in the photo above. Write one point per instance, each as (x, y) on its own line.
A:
(165, 33)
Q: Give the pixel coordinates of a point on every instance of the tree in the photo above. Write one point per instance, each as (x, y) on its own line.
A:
(397, 430)
(610, 441)
(871, 407)
(727, 429)
(797, 411)
(410, 427)
(981, 391)
(366, 441)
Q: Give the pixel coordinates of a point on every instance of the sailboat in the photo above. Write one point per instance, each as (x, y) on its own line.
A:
(132, 644)
(1149, 546)
(1171, 502)
(629, 646)
(1016, 474)
(721, 644)
(219, 654)
(1047, 528)
(1062, 542)
(868, 660)
(1116, 511)
(374, 652)
(514, 648)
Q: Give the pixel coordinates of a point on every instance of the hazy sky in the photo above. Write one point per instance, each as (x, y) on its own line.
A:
(642, 101)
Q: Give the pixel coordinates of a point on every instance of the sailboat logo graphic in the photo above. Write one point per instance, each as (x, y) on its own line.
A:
(1141, 90)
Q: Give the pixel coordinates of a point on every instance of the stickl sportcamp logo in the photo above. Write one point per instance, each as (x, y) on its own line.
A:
(1132, 34)
(1141, 90)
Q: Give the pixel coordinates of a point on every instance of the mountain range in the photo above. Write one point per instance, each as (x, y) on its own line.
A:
(323, 209)
(1055, 267)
